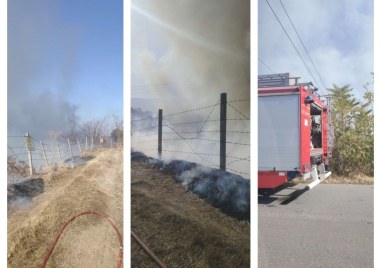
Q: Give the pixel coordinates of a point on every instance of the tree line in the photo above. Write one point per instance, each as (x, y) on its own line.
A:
(97, 129)
(353, 122)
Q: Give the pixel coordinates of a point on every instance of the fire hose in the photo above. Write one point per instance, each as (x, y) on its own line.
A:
(91, 212)
(147, 250)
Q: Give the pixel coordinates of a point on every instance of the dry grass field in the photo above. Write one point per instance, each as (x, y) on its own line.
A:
(87, 242)
(180, 228)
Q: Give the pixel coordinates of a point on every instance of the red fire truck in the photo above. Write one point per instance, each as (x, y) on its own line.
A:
(295, 134)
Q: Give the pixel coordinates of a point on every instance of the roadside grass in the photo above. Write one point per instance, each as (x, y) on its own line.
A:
(354, 179)
(334, 179)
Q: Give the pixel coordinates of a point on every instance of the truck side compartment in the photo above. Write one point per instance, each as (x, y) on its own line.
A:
(293, 131)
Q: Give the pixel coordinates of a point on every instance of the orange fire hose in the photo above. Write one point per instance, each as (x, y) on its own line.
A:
(91, 212)
(146, 249)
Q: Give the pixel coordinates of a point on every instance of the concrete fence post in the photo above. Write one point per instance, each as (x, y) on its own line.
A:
(43, 150)
(79, 146)
(71, 152)
(160, 133)
(223, 131)
(59, 152)
(29, 145)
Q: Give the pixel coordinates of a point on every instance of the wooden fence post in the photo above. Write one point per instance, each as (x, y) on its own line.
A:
(223, 132)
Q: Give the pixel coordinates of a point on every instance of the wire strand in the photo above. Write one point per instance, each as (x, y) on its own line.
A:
(289, 38)
(191, 110)
(305, 49)
(261, 61)
(238, 111)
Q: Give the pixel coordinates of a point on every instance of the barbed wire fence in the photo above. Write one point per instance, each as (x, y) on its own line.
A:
(216, 135)
(41, 156)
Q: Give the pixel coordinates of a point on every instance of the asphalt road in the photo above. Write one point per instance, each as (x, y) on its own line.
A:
(329, 226)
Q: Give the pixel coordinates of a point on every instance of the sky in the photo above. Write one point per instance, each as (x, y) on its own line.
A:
(184, 54)
(337, 34)
(65, 63)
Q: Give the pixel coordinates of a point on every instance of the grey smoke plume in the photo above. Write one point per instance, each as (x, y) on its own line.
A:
(142, 121)
(195, 50)
(34, 36)
(207, 48)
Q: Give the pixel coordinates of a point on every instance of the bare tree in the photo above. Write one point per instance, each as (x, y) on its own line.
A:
(53, 136)
(95, 129)
(118, 122)
(117, 132)
(71, 134)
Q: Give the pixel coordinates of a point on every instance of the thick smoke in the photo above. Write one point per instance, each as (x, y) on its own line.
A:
(143, 126)
(227, 191)
(195, 50)
(42, 60)
(142, 121)
(207, 49)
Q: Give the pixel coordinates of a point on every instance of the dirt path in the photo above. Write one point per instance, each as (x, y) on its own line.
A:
(180, 228)
(87, 242)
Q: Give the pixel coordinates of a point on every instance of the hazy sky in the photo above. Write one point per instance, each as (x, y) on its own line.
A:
(189, 51)
(65, 63)
(337, 34)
